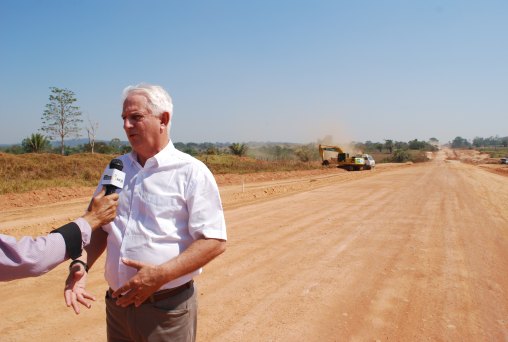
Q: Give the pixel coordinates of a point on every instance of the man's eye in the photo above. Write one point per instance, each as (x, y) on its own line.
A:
(133, 117)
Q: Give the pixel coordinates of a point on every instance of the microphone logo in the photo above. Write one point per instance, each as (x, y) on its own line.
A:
(113, 177)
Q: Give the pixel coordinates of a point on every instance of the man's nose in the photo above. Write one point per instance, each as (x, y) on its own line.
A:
(127, 123)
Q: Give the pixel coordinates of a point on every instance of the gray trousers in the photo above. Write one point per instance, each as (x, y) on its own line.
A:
(170, 319)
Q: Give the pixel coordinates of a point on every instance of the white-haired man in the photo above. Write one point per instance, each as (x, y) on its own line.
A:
(170, 223)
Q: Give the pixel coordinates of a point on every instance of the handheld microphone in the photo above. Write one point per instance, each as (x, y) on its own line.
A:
(113, 177)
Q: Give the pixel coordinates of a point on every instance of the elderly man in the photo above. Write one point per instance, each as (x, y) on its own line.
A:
(170, 224)
(33, 257)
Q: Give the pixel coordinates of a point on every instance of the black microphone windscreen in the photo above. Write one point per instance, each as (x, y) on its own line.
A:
(116, 164)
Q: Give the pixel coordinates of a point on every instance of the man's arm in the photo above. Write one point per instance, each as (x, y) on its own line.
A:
(75, 286)
(151, 277)
(96, 247)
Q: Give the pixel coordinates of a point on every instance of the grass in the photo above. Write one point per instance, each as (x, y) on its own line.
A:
(495, 152)
(223, 164)
(28, 172)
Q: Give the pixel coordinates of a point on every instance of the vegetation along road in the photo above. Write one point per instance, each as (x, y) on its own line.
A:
(410, 253)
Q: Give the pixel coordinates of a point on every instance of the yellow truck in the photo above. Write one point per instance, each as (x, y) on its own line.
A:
(336, 156)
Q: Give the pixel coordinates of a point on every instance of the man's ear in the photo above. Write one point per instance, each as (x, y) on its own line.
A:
(165, 117)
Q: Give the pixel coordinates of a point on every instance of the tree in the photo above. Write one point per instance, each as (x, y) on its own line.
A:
(13, 149)
(389, 145)
(417, 145)
(504, 142)
(238, 149)
(460, 142)
(307, 153)
(434, 142)
(61, 117)
(103, 147)
(116, 145)
(91, 130)
(400, 145)
(36, 143)
(279, 152)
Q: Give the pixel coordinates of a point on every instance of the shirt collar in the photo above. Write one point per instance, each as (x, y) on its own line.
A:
(159, 159)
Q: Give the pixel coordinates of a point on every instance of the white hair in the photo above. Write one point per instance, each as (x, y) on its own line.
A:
(157, 97)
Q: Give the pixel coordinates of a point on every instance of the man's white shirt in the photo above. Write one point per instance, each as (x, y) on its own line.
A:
(163, 207)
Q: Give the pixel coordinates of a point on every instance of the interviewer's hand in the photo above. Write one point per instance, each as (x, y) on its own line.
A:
(74, 292)
(141, 286)
(102, 209)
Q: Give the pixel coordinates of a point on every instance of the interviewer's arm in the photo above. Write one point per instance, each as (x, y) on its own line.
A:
(31, 257)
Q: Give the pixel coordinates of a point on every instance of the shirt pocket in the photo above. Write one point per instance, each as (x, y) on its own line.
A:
(163, 214)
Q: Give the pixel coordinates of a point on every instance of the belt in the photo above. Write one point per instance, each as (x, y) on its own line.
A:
(164, 294)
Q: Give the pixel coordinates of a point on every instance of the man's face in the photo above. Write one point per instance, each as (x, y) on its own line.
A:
(142, 128)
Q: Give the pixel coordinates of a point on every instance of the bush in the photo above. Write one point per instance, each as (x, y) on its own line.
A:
(400, 156)
(238, 149)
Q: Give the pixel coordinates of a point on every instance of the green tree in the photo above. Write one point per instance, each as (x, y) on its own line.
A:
(460, 142)
(36, 143)
(126, 149)
(238, 149)
(389, 145)
(417, 145)
(116, 145)
(103, 147)
(279, 152)
(13, 149)
(189, 149)
(61, 118)
(504, 142)
(434, 142)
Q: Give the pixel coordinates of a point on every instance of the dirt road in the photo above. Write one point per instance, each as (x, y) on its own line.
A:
(414, 253)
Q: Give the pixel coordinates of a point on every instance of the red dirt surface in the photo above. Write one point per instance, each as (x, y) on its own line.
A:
(413, 252)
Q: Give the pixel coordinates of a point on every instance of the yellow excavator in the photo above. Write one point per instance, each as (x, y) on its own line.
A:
(335, 155)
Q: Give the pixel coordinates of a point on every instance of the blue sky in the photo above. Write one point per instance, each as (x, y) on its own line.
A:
(286, 70)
